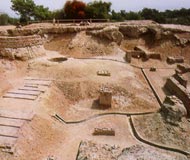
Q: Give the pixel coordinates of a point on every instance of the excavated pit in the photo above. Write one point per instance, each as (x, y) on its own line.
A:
(68, 110)
(58, 59)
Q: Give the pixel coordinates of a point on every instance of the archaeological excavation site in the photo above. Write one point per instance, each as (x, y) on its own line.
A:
(98, 91)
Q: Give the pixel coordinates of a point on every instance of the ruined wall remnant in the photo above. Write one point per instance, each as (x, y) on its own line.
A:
(104, 131)
(173, 110)
(111, 33)
(21, 47)
(134, 54)
(145, 54)
(183, 68)
(105, 98)
(133, 31)
(172, 60)
(128, 56)
(175, 88)
(183, 81)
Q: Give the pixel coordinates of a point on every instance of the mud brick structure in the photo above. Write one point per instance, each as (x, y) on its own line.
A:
(128, 56)
(104, 131)
(175, 88)
(183, 81)
(20, 41)
(147, 54)
(182, 68)
(172, 60)
(103, 73)
(21, 47)
(105, 98)
(134, 54)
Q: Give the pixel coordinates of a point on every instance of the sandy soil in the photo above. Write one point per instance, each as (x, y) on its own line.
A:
(153, 128)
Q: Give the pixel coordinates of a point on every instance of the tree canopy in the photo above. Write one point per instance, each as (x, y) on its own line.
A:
(74, 9)
(28, 10)
(98, 9)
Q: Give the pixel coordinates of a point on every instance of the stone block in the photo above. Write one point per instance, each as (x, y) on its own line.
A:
(105, 98)
(104, 131)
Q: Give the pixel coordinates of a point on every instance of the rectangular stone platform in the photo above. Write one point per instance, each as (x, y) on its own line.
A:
(40, 89)
(38, 79)
(8, 131)
(11, 122)
(20, 96)
(37, 82)
(31, 85)
(25, 92)
(27, 116)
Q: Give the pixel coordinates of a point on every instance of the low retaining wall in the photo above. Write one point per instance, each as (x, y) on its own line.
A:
(175, 88)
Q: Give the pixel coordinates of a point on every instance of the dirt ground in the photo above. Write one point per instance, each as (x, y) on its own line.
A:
(74, 92)
(155, 129)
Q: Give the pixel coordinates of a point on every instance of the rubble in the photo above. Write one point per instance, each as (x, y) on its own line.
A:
(89, 150)
(173, 110)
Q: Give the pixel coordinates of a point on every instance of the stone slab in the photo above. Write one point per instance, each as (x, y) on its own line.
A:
(41, 89)
(35, 82)
(25, 92)
(38, 79)
(20, 96)
(31, 85)
(8, 131)
(11, 122)
(17, 115)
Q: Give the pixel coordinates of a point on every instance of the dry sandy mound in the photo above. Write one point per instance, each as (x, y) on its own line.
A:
(81, 45)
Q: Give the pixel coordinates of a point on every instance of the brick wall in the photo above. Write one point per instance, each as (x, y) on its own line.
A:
(20, 41)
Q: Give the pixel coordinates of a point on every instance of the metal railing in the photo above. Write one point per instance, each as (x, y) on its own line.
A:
(71, 21)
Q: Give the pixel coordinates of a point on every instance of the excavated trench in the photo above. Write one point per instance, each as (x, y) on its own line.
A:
(75, 92)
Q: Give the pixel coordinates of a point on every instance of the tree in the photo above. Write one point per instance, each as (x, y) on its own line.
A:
(28, 10)
(117, 16)
(58, 14)
(4, 19)
(133, 16)
(25, 8)
(152, 14)
(42, 13)
(98, 9)
(74, 9)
